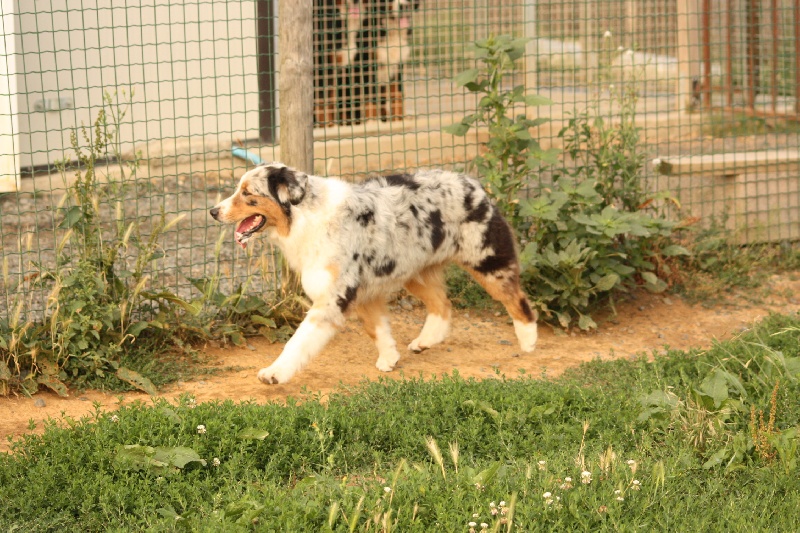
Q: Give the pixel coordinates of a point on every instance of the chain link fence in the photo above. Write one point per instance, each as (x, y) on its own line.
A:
(717, 102)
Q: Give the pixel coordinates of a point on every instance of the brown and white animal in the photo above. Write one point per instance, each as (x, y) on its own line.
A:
(392, 52)
(354, 244)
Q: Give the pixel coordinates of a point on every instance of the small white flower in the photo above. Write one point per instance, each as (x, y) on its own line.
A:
(492, 504)
(502, 504)
(630, 462)
(568, 479)
(542, 465)
(476, 515)
(617, 491)
(586, 477)
(192, 403)
(484, 525)
(114, 418)
(607, 34)
(215, 461)
(201, 429)
(546, 495)
(620, 499)
(387, 490)
(636, 485)
(472, 524)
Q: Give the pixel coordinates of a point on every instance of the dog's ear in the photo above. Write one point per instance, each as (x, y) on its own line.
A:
(288, 185)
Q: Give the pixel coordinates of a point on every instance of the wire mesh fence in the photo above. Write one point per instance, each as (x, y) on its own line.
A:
(716, 83)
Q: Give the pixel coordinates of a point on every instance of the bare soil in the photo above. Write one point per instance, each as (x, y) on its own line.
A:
(481, 345)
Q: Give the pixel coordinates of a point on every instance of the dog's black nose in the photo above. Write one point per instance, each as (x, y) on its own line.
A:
(214, 212)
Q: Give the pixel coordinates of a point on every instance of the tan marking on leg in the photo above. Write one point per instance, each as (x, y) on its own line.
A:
(508, 292)
(429, 287)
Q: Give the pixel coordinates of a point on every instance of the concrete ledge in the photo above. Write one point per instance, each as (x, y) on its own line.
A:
(728, 164)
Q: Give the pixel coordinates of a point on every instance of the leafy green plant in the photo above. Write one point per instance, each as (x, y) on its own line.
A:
(593, 231)
(511, 153)
(104, 320)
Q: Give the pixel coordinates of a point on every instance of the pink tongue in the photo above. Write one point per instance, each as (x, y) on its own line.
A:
(243, 226)
(405, 22)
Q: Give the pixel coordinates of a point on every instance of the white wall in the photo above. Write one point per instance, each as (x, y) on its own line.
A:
(191, 64)
(9, 157)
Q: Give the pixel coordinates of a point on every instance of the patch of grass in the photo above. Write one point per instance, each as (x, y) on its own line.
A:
(716, 266)
(611, 445)
(727, 125)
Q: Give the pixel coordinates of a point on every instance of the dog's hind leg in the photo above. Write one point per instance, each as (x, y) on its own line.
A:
(375, 318)
(314, 332)
(504, 286)
(429, 287)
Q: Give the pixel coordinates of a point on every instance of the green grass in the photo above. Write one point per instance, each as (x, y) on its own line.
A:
(360, 460)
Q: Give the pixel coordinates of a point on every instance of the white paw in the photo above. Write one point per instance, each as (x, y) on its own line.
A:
(433, 332)
(527, 335)
(275, 374)
(386, 364)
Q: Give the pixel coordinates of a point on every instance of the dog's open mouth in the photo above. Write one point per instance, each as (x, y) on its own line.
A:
(247, 228)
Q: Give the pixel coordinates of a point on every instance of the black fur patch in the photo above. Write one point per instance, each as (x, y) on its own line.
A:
(498, 237)
(437, 229)
(366, 218)
(344, 301)
(386, 268)
(479, 213)
(414, 210)
(401, 180)
(526, 309)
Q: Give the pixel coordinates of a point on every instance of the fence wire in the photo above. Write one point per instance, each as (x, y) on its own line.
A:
(716, 81)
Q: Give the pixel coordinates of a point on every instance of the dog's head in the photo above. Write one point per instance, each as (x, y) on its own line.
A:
(264, 198)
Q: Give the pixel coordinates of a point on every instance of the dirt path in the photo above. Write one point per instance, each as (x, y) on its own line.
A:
(480, 345)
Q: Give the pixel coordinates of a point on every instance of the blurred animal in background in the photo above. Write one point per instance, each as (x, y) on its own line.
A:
(360, 48)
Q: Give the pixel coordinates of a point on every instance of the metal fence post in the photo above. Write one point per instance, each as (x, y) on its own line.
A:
(296, 83)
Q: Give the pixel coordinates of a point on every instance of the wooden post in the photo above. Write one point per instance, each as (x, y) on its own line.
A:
(9, 121)
(689, 52)
(532, 48)
(296, 83)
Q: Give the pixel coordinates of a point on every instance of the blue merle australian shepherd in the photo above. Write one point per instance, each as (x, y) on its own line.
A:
(354, 244)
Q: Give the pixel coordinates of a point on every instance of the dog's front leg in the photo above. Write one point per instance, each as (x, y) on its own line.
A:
(314, 332)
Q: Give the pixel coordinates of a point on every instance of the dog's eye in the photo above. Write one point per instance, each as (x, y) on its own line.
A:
(245, 192)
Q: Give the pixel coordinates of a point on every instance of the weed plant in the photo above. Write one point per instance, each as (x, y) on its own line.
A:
(592, 232)
(614, 445)
(105, 325)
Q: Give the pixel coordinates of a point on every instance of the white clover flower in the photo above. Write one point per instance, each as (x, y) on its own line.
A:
(546, 495)
(630, 462)
(114, 418)
(620, 499)
(586, 477)
(192, 403)
(568, 479)
(472, 524)
(502, 504)
(476, 515)
(636, 485)
(201, 429)
(215, 461)
(387, 490)
(492, 504)
(607, 34)
(494, 511)
(617, 491)
(542, 465)
(484, 525)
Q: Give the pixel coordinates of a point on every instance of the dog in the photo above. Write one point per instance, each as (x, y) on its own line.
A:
(392, 52)
(354, 244)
